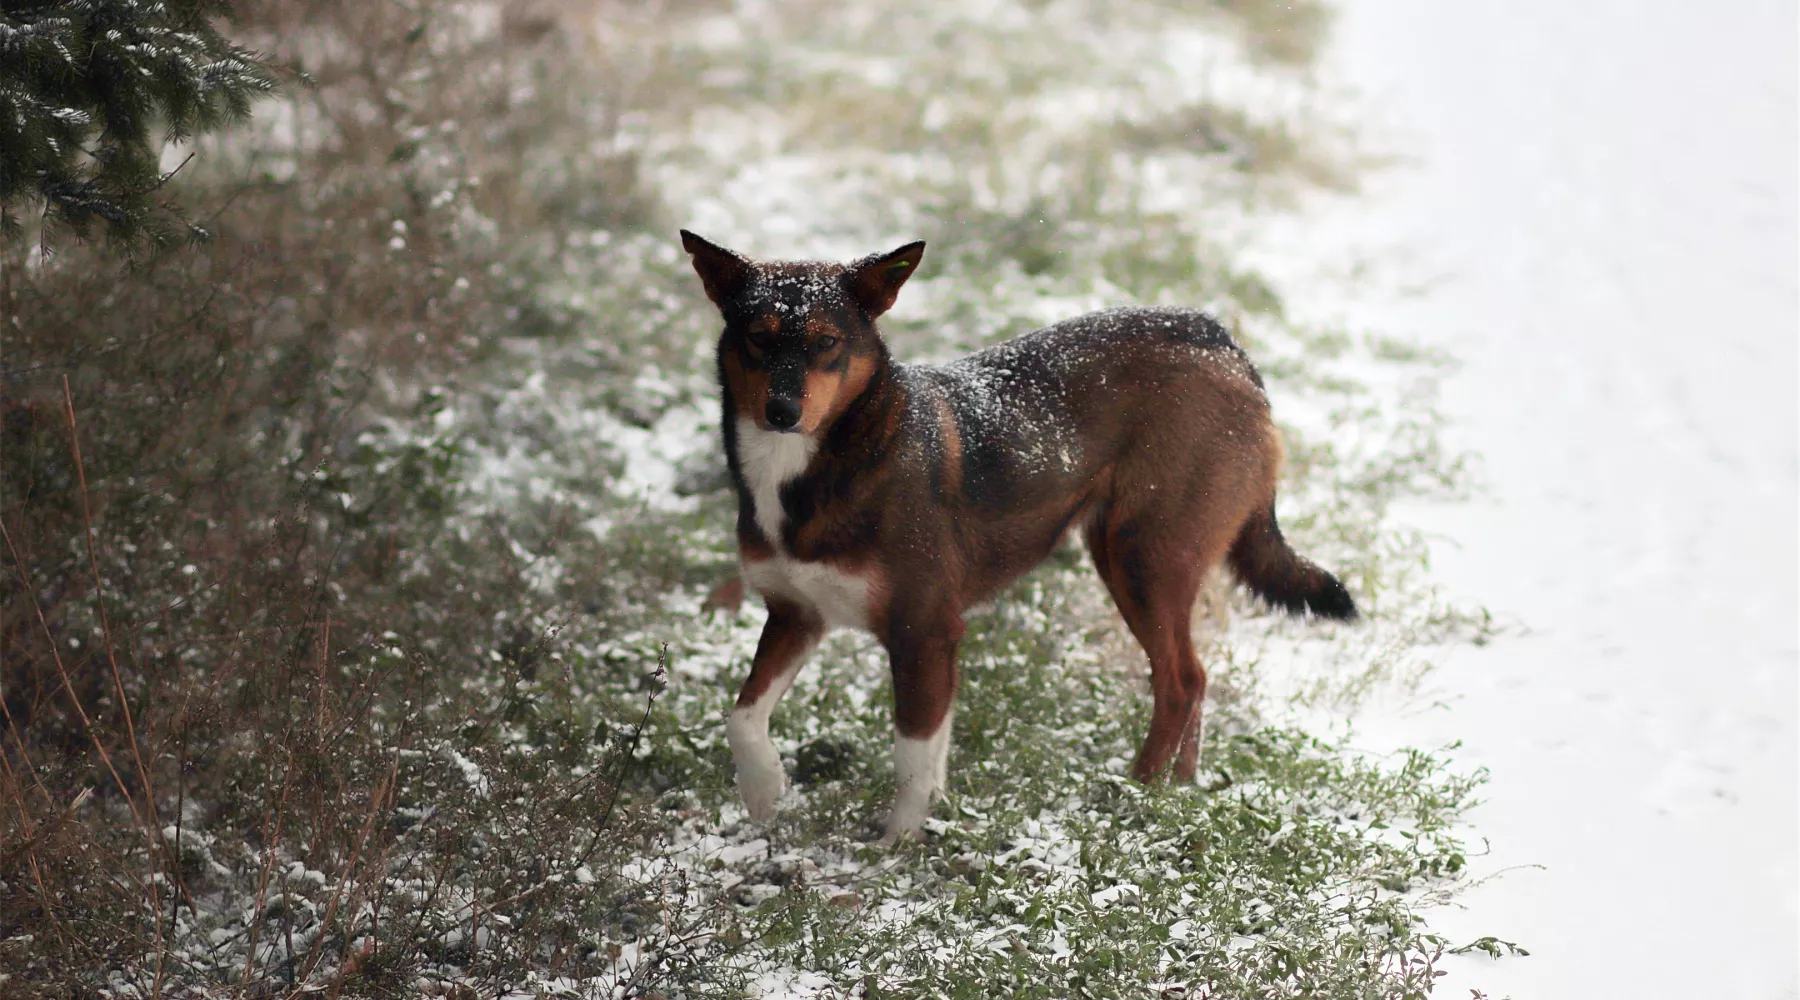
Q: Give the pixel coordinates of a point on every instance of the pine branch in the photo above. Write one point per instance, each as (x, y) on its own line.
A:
(85, 84)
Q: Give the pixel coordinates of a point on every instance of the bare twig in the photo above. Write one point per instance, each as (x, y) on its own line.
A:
(270, 845)
(376, 801)
(87, 724)
(112, 659)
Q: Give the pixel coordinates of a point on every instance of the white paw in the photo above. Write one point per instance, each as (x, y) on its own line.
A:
(919, 768)
(912, 804)
(760, 779)
(762, 786)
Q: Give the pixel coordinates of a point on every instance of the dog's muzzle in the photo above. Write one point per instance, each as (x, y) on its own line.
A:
(783, 413)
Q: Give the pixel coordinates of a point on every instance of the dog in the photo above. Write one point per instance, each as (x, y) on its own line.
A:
(891, 497)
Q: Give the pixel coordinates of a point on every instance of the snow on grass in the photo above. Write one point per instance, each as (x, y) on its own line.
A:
(575, 832)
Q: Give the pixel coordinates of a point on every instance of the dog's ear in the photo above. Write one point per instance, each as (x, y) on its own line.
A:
(876, 280)
(721, 271)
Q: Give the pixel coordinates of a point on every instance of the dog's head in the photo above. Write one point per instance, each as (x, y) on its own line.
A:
(800, 341)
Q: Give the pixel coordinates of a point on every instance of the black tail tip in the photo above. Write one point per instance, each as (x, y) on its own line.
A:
(1332, 600)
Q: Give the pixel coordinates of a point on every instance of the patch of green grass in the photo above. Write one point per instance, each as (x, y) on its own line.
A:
(1294, 868)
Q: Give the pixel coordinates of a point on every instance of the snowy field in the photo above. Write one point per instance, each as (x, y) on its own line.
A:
(1598, 221)
(495, 606)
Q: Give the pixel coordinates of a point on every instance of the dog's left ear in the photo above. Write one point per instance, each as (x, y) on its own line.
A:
(723, 272)
(875, 281)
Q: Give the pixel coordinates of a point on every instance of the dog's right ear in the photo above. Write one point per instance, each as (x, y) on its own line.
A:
(876, 280)
(721, 271)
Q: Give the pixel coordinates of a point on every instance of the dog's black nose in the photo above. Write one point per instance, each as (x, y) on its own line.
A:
(783, 413)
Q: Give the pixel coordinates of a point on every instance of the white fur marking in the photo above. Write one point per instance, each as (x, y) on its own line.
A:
(920, 767)
(760, 778)
(840, 598)
(767, 459)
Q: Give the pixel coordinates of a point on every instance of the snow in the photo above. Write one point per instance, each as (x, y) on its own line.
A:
(1606, 193)
(471, 771)
(1602, 213)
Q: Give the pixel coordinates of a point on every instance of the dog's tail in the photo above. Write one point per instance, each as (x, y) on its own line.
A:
(1266, 564)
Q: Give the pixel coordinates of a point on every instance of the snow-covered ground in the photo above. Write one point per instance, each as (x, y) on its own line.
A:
(1603, 199)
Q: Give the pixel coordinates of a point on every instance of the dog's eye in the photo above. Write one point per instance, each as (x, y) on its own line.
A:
(825, 343)
(762, 340)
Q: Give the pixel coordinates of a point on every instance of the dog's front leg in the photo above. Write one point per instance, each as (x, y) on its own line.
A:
(922, 654)
(790, 633)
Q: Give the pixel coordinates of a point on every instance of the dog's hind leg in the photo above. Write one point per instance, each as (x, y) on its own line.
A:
(789, 635)
(1154, 577)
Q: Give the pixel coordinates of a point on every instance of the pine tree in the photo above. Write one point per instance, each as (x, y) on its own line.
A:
(82, 85)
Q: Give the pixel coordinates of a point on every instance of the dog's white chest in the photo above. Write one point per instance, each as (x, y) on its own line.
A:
(768, 459)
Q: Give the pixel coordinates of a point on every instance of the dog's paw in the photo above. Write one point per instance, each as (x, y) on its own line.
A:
(912, 804)
(725, 597)
(762, 786)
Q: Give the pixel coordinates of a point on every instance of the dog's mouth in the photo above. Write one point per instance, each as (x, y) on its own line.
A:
(763, 424)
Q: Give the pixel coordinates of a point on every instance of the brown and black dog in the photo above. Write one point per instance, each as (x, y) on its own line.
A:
(891, 497)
